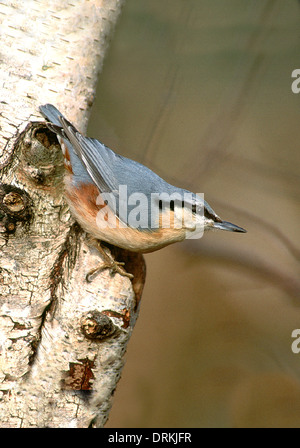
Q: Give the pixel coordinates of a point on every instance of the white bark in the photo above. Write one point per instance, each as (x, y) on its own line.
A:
(56, 368)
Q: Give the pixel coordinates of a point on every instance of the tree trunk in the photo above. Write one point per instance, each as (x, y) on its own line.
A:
(62, 340)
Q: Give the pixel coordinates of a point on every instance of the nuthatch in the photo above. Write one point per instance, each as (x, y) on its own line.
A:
(122, 202)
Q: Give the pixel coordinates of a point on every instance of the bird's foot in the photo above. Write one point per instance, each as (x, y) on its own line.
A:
(114, 266)
(109, 263)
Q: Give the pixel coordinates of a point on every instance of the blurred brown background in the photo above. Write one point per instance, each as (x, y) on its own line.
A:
(200, 91)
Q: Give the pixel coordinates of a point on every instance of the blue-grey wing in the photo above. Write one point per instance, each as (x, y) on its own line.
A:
(107, 169)
(113, 173)
(51, 114)
(96, 157)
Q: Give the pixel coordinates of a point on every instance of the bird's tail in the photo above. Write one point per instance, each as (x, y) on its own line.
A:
(51, 114)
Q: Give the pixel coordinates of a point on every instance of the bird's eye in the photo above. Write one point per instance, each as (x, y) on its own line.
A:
(172, 205)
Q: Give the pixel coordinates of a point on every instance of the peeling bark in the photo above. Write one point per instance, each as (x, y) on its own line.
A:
(62, 340)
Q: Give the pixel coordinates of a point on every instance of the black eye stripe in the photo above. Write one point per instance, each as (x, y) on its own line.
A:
(209, 215)
(161, 204)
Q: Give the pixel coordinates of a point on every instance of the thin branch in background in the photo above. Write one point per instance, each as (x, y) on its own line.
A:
(220, 132)
(265, 226)
(258, 166)
(245, 260)
(156, 125)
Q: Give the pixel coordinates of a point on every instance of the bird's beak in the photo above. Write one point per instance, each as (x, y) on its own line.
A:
(225, 225)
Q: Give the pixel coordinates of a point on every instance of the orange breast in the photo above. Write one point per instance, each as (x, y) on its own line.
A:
(97, 219)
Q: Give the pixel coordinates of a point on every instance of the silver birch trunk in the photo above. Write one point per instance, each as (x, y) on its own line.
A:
(62, 340)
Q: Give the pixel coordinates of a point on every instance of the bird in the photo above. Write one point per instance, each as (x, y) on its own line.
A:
(122, 202)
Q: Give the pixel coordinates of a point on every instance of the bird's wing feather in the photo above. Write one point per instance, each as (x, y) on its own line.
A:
(109, 170)
(51, 114)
